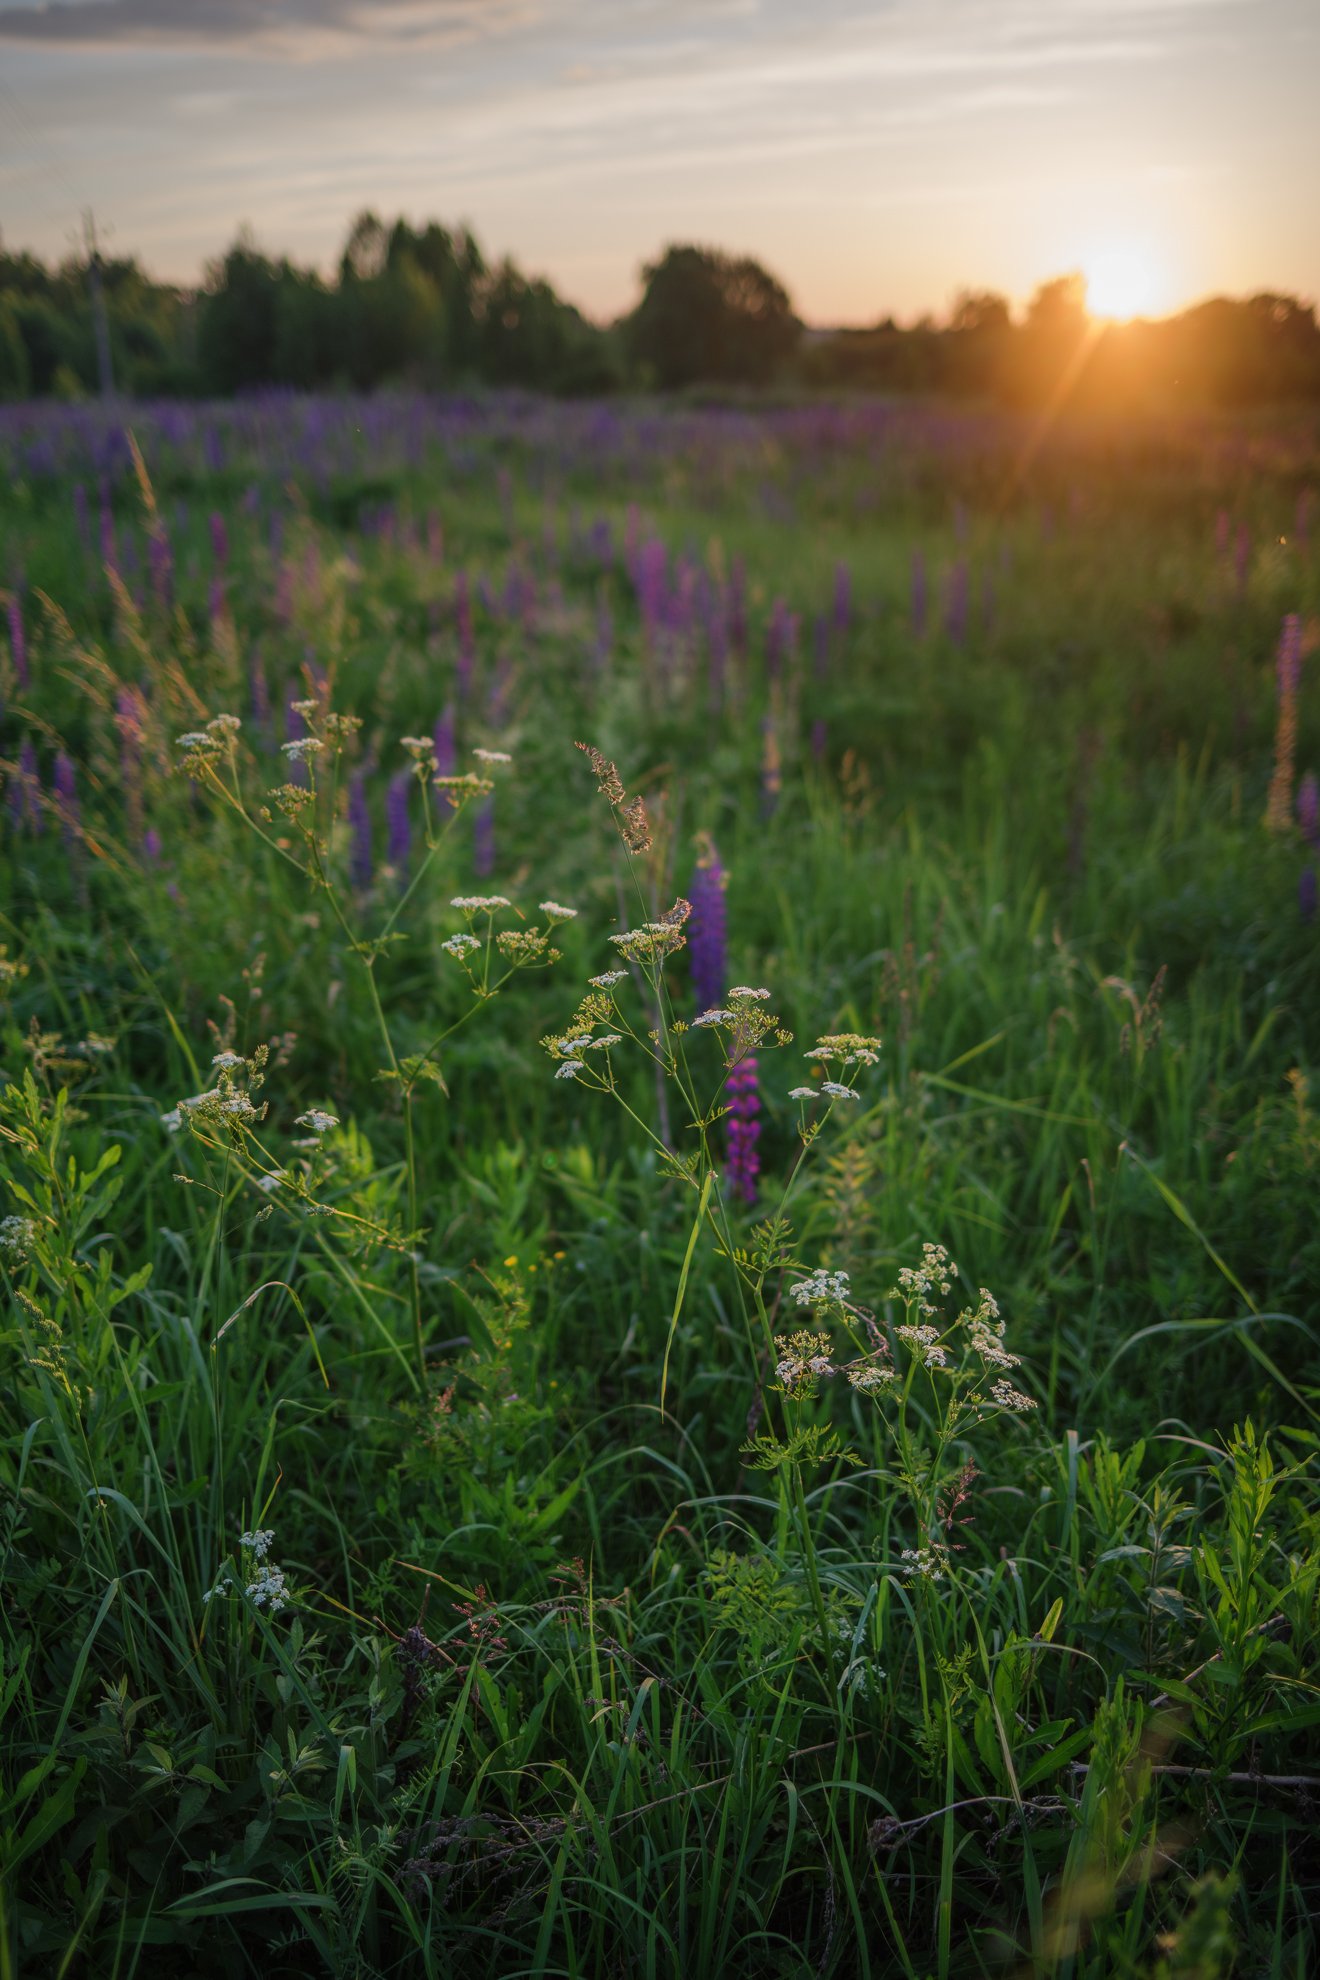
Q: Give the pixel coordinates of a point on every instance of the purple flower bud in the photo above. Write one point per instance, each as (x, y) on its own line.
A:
(446, 742)
(65, 782)
(24, 786)
(483, 838)
(743, 1128)
(1308, 808)
(707, 944)
(359, 826)
(397, 824)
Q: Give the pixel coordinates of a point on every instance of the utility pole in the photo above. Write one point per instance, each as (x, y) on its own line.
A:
(100, 321)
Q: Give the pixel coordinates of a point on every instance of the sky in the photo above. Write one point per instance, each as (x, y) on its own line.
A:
(878, 157)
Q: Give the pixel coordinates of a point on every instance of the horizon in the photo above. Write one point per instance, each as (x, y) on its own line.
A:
(1162, 147)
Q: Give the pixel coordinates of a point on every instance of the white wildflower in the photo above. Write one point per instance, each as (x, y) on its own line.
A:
(479, 903)
(226, 1061)
(172, 1121)
(838, 1092)
(1010, 1398)
(713, 1017)
(871, 1375)
(492, 756)
(302, 747)
(802, 1093)
(742, 990)
(569, 1069)
(460, 945)
(555, 911)
(924, 1561)
(608, 979)
(822, 1288)
(317, 1121)
(17, 1235)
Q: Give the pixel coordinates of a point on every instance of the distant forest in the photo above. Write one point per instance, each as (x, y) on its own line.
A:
(423, 307)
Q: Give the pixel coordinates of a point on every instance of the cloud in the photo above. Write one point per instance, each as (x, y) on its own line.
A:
(299, 29)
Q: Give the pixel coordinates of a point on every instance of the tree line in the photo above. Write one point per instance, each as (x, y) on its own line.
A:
(423, 306)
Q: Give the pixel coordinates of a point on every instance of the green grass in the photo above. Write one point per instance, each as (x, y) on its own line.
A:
(600, 1654)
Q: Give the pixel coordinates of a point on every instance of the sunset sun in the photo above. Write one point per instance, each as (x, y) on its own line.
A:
(1122, 280)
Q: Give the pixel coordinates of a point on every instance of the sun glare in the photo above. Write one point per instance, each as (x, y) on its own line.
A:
(1121, 281)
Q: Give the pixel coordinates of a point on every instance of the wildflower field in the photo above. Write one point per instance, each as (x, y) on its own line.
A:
(659, 1145)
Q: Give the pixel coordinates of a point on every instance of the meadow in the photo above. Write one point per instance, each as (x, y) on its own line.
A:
(688, 1357)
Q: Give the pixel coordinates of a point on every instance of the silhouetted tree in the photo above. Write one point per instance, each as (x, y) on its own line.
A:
(710, 316)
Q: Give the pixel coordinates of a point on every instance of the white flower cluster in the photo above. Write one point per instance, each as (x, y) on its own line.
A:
(713, 1017)
(555, 911)
(925, 1341)
(492, 756)
(836, 1091)
(916, 1283)
(608, 980)
(317, 1121)
(269, 1584)
(301, 748)
(479, 903)
(17, 1236)
(1010, 1398)
(868, 1376)
(926, 1562)
(822, 1288)
(741, 990)
(460, 945)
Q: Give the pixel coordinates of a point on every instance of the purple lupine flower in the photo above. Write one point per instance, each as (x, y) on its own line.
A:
(842, 598)
(359, 827)
(64, 780)
(219, 539)
(483, 838)
(1308, 808)
(707, 931)
(446, 742)
(24, 808)
(1306, 894)
(955, 603)
(18, 639)
(744, 1128)
(151, 847)
(918, 595)
(398, 827)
